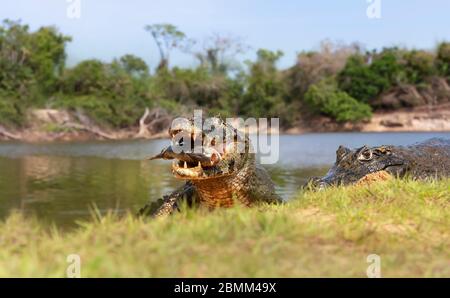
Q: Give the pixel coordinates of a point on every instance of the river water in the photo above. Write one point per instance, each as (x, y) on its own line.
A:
(61, 182)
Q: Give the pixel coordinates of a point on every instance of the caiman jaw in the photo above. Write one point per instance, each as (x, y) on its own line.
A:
(182, 169)
(204, 169)
(194, 165)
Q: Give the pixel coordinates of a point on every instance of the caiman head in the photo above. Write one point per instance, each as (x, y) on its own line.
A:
(353, 165)
(206, 149)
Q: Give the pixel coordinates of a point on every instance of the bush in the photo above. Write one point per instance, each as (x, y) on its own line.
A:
(114, 94)
(388, 66)
(360, 81)
(11, 113)
(443, 58)
(88, 77)
(419, 66)
(103, 110)
(326, 98)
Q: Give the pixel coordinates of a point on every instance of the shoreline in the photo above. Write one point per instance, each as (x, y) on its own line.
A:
(434, 118)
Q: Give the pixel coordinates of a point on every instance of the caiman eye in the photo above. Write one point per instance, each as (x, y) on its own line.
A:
(382, 150)
(365, 155)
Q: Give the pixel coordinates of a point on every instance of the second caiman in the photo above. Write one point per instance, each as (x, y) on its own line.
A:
(428, 159)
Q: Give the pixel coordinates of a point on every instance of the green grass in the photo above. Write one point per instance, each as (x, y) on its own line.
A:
(327, 233)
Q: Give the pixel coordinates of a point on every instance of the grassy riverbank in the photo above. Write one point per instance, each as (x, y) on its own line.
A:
(327, 233)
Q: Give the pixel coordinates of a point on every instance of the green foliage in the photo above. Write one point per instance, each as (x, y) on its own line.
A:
(47, 59)
(86, 78)
(313, 66)
(195, 86)
(115, 93)
(264, 86)
(199, 87)
(103, 110)
(443, 58)
(419, 66)
(133, 65)
(30, 61)
(391, 67)
(362, 81)
(96, 77)
(11, 113)
(388, 65)
(30, 65)
(327, 99)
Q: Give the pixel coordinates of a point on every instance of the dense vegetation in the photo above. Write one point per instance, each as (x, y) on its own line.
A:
(343, 82)
(327, 233)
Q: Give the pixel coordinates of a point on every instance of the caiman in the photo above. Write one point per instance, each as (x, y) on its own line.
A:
(218, 165)
(428, 159)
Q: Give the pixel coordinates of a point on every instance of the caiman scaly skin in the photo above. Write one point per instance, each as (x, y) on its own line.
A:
(428, 159)
(219, 176)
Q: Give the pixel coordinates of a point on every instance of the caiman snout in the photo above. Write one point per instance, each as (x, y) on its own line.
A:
(318, 183)
(206, 159)
(189, 164)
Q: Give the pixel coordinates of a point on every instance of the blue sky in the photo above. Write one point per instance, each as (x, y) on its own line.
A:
(111, 28)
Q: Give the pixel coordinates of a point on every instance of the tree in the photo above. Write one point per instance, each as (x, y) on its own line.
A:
(219, 52)
(30, 60)
(87, 77)
(133, 65)
(313, 66)
(167, 37)
(264, 85)
(15, 72)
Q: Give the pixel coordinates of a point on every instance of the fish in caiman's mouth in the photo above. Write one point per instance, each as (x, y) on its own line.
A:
(202, 155)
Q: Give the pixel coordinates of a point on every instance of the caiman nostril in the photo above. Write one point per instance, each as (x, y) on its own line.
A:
(215, 158)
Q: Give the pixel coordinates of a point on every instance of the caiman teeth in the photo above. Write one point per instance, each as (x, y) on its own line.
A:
(186, 172)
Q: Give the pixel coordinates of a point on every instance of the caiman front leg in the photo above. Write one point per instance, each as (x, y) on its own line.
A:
(170, 203)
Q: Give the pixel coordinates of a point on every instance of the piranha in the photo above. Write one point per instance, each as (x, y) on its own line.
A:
(218, 165)
(428, 159)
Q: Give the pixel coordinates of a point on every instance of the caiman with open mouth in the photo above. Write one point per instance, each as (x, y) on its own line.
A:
(218, 164)
(428, 159)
